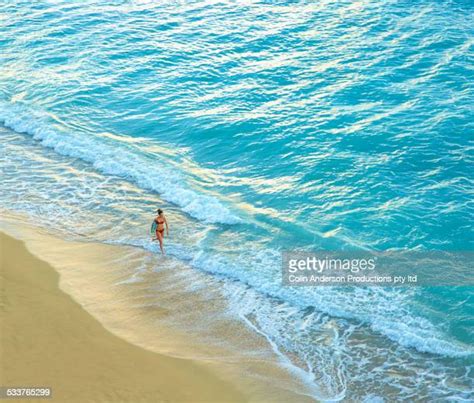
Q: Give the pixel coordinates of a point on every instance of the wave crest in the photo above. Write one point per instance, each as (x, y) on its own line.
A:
(110, 159)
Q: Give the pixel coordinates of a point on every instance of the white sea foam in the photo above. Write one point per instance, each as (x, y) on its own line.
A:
(112, 159)
(367, 305)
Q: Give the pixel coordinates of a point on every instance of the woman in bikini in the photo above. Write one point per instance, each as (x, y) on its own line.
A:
(160, 221)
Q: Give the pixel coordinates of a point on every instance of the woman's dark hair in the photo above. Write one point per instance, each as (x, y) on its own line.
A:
(159, 211)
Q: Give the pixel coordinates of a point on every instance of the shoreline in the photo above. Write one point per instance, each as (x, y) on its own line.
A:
(49, 340)
(146, 301)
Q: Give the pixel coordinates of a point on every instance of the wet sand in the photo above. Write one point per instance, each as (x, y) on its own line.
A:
(47, 339)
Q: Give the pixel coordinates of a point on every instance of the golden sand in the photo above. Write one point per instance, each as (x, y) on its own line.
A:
(47, 339)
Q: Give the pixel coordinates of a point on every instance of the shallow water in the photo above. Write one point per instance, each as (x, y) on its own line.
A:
(261, 127)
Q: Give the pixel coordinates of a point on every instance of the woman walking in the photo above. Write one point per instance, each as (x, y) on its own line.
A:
(160, 223)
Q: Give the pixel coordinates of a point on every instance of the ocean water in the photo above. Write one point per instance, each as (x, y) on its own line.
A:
(260, 127)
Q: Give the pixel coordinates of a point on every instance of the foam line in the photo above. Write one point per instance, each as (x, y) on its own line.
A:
(114, 160)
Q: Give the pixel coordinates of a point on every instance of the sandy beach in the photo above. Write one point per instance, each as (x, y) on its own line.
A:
(47, 339)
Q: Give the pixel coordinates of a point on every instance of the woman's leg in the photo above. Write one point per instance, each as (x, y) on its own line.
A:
(159, 235)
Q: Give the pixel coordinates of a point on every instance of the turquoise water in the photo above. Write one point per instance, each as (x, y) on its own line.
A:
(261, 127)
